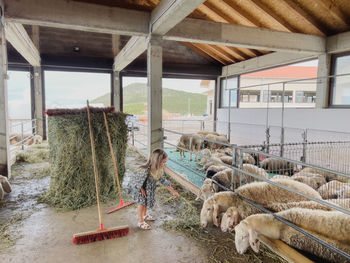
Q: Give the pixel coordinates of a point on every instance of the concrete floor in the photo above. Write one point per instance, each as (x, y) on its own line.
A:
(45, 235)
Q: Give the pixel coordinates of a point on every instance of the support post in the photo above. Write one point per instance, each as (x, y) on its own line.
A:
(282, 121)
(154, 84)
(38, 101)
(323, 70)
(304, 136)
(4, 118)
(116, 97)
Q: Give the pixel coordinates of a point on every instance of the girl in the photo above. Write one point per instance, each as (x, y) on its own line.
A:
(146, 182)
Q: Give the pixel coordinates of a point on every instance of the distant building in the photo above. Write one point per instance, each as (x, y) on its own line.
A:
(297, 94)
(210, 86)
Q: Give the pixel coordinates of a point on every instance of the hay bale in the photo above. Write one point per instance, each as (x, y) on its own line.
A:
(72, 184)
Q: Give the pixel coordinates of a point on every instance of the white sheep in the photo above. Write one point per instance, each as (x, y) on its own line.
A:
(37, 139)
(330, 189)
(314, 181)
(329, 176)
(195, 146)
(262, 193)
(213, 169)
(184, 142)
(342, 202)
(274, 165)
(231, 217)
(333, 226)
(5, 184)
(207, 190)
(343, 192)
(223, 177)
(214, 161)
(2, 193)
(226, 159)
(212, 145)
(205, 133)
(205, 153)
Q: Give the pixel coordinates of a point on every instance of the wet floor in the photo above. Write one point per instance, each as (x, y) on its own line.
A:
(43, 234)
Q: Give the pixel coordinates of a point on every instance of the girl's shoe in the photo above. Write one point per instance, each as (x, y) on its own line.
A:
(149, 218)
(144, 226)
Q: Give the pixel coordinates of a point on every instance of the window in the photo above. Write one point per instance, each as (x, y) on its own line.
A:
(305, 97)
(249, 95)
(232, 84)
(341, 85)
(266, 95)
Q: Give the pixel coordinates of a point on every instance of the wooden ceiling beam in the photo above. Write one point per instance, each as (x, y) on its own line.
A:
(309, 19)
(210, 14)
(285, 26)
(211, 53)
(335, 12)
(193, 47)
(232, 15)
(222, 51)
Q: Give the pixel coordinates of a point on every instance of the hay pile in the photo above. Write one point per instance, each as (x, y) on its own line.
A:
(72, 183)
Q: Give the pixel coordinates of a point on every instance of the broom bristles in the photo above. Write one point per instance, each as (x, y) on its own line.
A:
(98, 235)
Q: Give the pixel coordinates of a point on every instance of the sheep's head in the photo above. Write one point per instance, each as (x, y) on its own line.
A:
(206, 216)
(245, 236)
(230, 219)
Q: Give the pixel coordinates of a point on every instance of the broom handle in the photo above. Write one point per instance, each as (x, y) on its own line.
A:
(112, 154)
(95, 167)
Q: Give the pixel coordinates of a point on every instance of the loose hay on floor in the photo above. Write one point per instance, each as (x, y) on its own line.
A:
(34, 154)
(72, 184)
(8, 234)
(220, 246)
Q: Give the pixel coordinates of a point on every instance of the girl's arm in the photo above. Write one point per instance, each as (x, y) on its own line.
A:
(173, 192)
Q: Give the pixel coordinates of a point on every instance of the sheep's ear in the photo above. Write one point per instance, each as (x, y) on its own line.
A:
(253, 240)
(216, 214)
(212, 187)
(236, 218)
(200, 194)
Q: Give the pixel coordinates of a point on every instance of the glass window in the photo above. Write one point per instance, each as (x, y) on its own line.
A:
(232, 84)
(299, 96)
(266, 95)
(341, 85)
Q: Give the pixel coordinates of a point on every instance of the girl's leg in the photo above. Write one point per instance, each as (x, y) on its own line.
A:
(140, 212)
(144, 211)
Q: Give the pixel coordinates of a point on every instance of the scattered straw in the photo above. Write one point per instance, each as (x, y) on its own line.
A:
(220, 246)
(8, 234)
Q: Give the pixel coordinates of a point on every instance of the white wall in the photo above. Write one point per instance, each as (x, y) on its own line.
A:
(323, 119)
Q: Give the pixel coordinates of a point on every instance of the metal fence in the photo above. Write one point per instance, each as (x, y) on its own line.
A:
(21, 134)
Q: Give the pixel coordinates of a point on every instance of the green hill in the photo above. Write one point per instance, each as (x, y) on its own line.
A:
(174, 101)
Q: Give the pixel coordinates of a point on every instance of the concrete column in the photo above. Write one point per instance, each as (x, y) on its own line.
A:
(38, 101)
(5, 157)
(322, 89)
(117, 91)
(154, 84)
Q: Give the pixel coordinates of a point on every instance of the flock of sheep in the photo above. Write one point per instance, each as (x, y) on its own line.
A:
(225, 209)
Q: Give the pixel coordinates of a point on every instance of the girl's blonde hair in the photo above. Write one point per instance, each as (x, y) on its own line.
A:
(154, 162)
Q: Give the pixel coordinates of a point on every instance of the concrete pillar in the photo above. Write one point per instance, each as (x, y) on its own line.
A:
(154, 84)
(322, 90)
(5, 157)
(38, 101)
(117, 94)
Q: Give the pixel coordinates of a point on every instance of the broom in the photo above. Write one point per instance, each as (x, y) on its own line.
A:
(102, 233)
(121, 204)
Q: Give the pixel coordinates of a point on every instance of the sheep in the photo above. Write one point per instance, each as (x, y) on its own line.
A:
(205, 153)
(224, 177)
(207, 190)
(195, 146)
(247, 231)
(213, 169)
(274, 165)
(315, 182)
(184, 142)
(214, 161)
(37, 139)
(2, 192)
(5, 184)
(212, 145)
(330, 189)
(278, 176)
(246, 157)
(329, 176)
(226, 159)
(343, 192)
(231, 218)
(344, 203)
(261, 193)
(205, 133)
